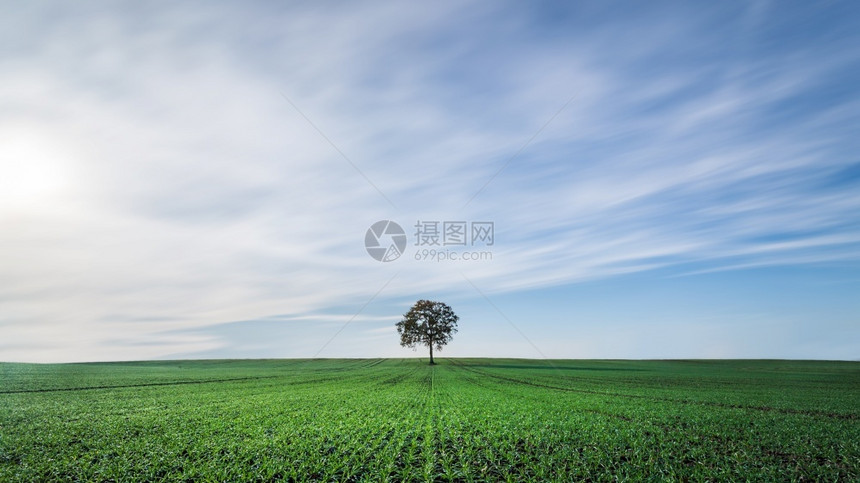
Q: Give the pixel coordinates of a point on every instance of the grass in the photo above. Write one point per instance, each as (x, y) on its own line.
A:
(461, 420)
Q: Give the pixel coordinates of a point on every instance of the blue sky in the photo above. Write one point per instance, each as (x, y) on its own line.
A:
(665, 179)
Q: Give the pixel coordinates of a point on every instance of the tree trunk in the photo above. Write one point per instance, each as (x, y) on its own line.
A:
(431, 353)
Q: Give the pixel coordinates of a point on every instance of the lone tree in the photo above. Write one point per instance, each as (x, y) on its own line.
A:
(427, 323)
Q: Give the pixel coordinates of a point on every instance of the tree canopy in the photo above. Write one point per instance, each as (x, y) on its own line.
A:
(428, 323)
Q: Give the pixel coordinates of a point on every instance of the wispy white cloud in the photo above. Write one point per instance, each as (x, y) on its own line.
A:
(150, 168)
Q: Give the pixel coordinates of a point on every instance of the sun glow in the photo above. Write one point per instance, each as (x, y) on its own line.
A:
(31, 170)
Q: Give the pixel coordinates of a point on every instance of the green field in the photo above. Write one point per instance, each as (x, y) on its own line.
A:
(461, 420)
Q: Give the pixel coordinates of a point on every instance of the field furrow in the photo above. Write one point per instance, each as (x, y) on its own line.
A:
(404, 420)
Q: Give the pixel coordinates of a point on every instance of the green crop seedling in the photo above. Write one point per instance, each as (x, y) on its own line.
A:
(460, 420)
